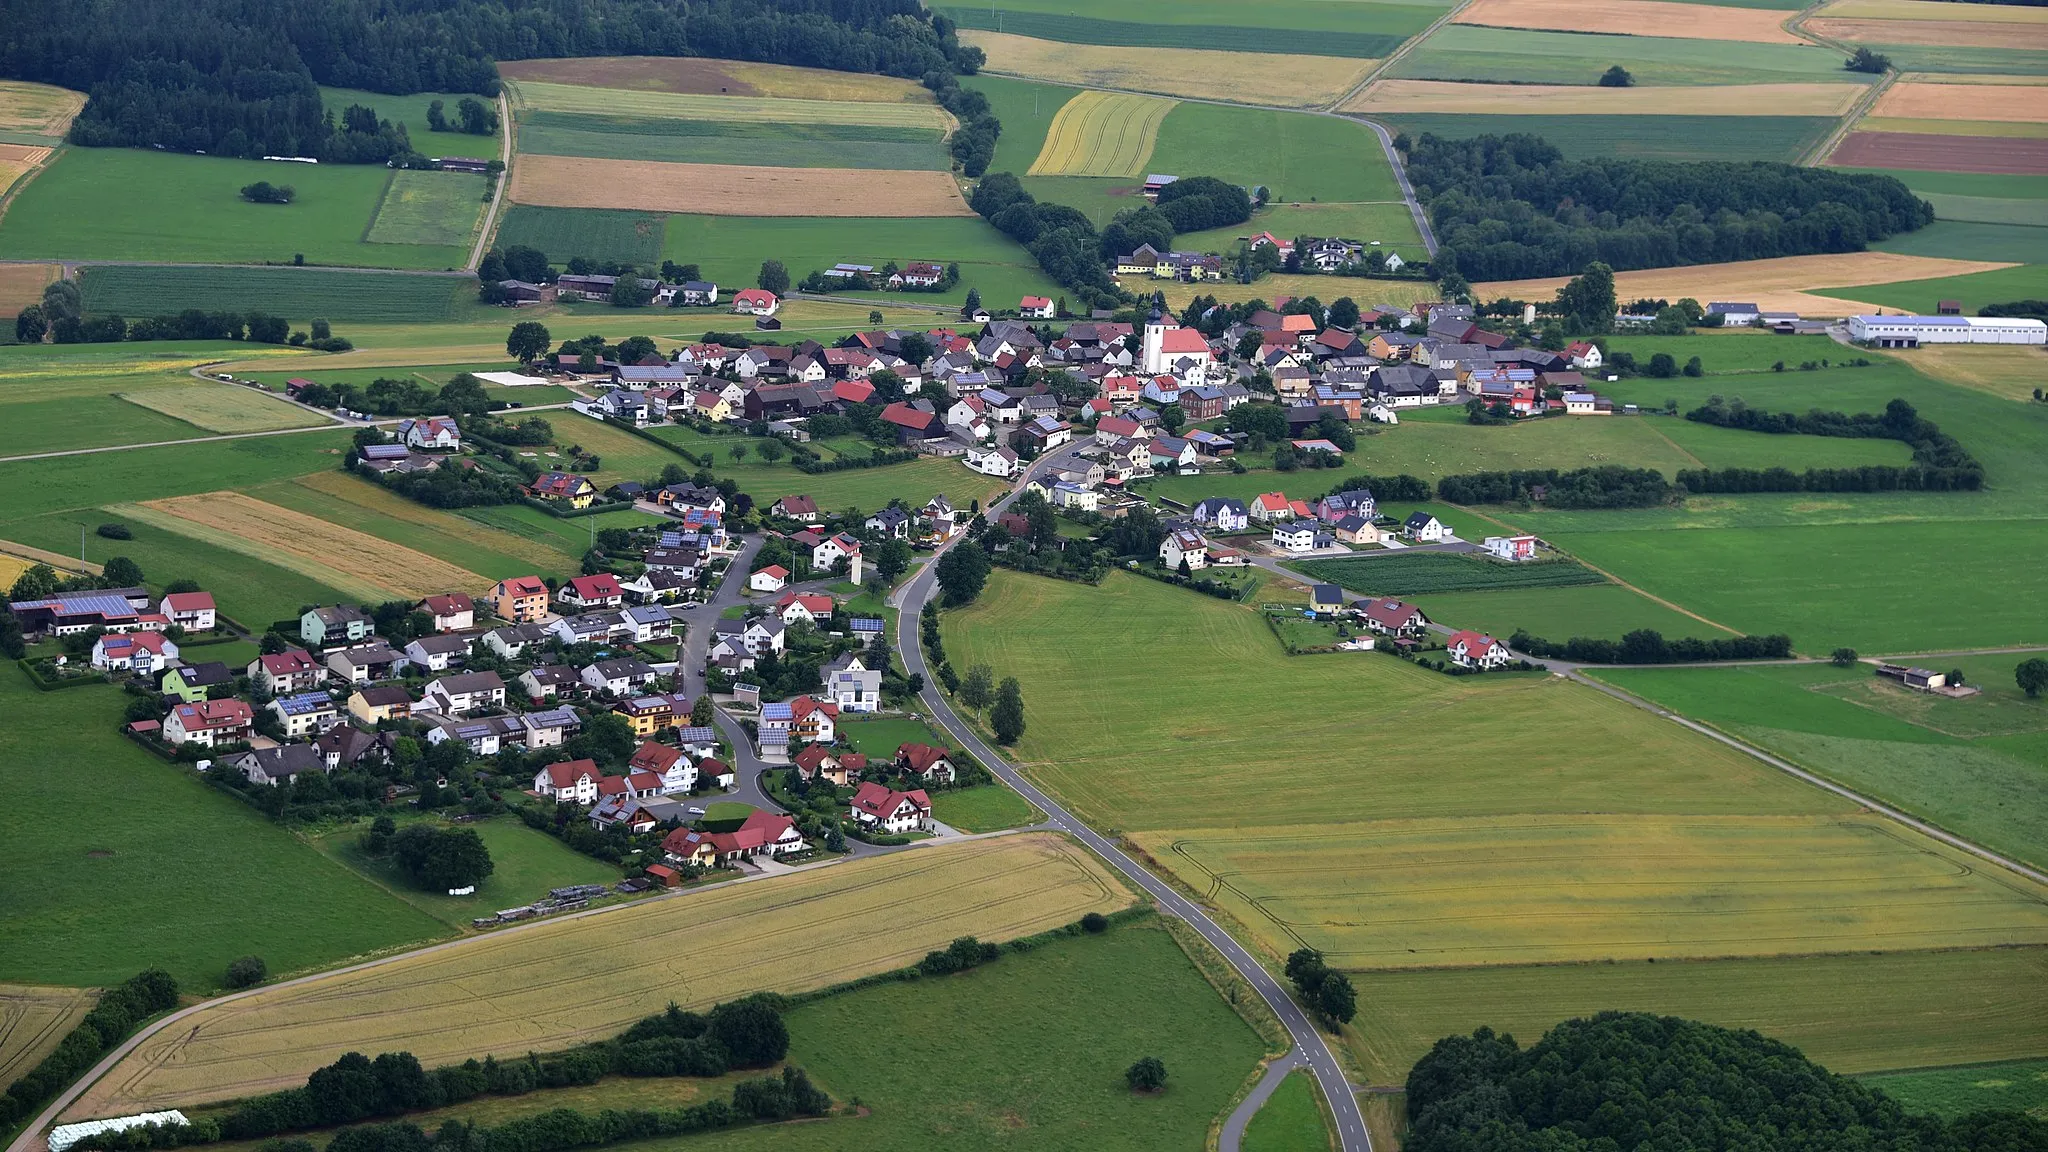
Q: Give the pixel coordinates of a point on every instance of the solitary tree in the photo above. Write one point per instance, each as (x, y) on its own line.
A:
(963, 571)
(701, 712)
(774, 277)
(1007, 717)
(1843, 658)
(247, 972)
(979, 689)
(1147, 1075)
(1617, 77)
(738, 452)
(769, 450)
(121, 572)
(528, 340)
(2032, 676)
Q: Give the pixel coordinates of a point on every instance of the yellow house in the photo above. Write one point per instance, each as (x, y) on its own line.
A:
(711, 406)
(571, 489)
(372, 706)
(647, 714)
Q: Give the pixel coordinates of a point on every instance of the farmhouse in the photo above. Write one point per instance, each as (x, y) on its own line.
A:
(1468, 649)
(882, 809)
(69, 613)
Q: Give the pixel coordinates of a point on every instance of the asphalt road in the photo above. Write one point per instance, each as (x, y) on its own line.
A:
(1310, 1046)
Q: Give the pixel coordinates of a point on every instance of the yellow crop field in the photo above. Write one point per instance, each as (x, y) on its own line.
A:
(17, 161)
(2009, 370)
(224, 407)
(38, 109)
(720, 77)
(562, 982)
(1916, 99)
(34, 1018)
(1587, 100)
(350, 494)
(725, 109)
(1935, 10)
(733, 189)
(1783, 283)
(1102, 134)
(1633, 18)
(22, 285)
(1269, 288)
(1537, 889)
(354, 562)
(1283, 80)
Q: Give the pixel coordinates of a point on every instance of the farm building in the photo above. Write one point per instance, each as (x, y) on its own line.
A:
(1913, 331)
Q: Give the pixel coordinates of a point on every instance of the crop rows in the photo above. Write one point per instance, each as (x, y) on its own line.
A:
(596, 233)
(1421, 574)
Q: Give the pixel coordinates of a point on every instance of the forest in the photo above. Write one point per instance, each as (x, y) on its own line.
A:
(1633, 1080)
(1512, 207)
(239, 77)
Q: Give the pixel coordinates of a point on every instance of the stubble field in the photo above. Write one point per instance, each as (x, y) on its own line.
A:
(1633, 17)
(1793, 283)
(1945, 101)
(1751, 100)
(555, 984)
(733, 189)
(1948, 33)
(698, 75)
(224, 407)
(37, 109)
(18, 160)
(742, 109)
(1277, 78)
(33, 1019)
(22, 285)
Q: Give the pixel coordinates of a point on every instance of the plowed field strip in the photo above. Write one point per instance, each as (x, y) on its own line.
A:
(733, 190)
(1928, 153)
(754, 109)
(1633, 18)
(1918, 100)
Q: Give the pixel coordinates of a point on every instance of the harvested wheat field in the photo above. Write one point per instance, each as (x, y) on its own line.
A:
(33, 1019)
(38, 109)
(2009, 370)
(1935, 10)
(375, 500)
(1953, 33)
(1260, 77)
(17, 161)
(354, 562)
(1921, 100)
(716, 78)
(726, 109)
(1925, 152)
(22, 284)
(1101, 134)
(1633, 18)
(733, 189)
(1782, 284)
(1587, 100)
(556, 983)
(224, 407)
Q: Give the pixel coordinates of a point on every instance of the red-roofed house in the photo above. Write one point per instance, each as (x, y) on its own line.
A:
(816, 760)
(885, 810)
(1469, 649)
(675, 770)
(1271, 507)
(1583, 355)
(192, 611)
(932, 764)
(1110, 429)
(571, 780)
(769, 579)
(209, 722)
(1394, 618)
(755, 302)
(143, 653)
(587, 592)
(809, 607)
(1035, 308)
(452, 612)
(522, 599)
(814, 720)
(853, 391)
(799, 508)
(286, 672)
(764, 834)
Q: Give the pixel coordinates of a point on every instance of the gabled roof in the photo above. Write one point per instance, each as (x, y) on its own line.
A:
(601, 586)
(189, 601)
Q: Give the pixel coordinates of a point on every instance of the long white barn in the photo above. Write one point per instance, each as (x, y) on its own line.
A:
(1913, 331)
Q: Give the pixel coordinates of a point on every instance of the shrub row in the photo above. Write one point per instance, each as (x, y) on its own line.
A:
(119, 1010)
(1648, 646)
(877, 459)
(1607, 486)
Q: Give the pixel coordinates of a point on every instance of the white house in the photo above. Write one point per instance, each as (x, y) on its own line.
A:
(462, 695)
(1185, 545)
(1222, 514)
(675, 770)
(438, 653)
(1511, 547)
(1035, 308)
(993, 461)
(306, 714)
(832, 549)
(1468, 649)
(454, 612)
(851, 684)
(769, 579)
(143, 653)
(1067, 495)
(619, 677)
(1584, 355)
(192, 611)
(885, 810)
(1425, 529)
(571, 780)
(437, 433)
(755, 302)
(209, 722)
(1295, 536)
(810, 608)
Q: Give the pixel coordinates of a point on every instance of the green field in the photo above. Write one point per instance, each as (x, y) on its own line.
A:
(85, 482)
(1515, 56)
(1285, 26)
(1412, 574)
(357, 503)
(602, 234)
(411, 111)
(59, 424)
(1731, 350)
(85, 206)
(571, 536)
(1297, 155)
(1977, 766)
(2025, 282)
(730, 250)
(1291, 1120)
(429, 208)
(525, 863)
(1861, 1013)
(1781, 138)
(914, 482)
(1964, 183)
(1010, 1057)
(1604, 610)
(1949, 58)
(1026, 109)
(113, 893)
(300, 294)
(56, 397)
(716, 142)
(2021, 1086)
(983, 808)
(1963, 237)
(880, 737)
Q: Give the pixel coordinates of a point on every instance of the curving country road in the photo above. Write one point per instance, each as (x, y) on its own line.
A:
(1311, 1049)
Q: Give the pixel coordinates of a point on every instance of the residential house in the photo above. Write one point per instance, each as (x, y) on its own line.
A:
(769, 579)
(891, 521)
(885, 810)
(1325, 598)
(464, 694)
(548, 728)
(763, 834)
(620, 676)
(649, 714)
(755, 302)
(817, 760)
(452, 612)
(1044, 433)
(750, 638)
(932, 764)
(549, 681)
(573, 781)
(306, 713)
(1168, 453)
(1271, 507)
(850, 684)
(1035, 308)
(1000, 462)
(697, 293)
(142, 653)
(365, 663)
(809, 608)
(1514, 548)
(1184, 546)
(587, 592)
(669, 765)
(521, 599)
(192, 611)
(1355, 529)
(272, 766)
(1423, 528)
(1295, 536)
(1221, 514)
(813, 720)
(191, 682)
(374, 705)
(1584, 355)
(511, 641)
(800, 508)
(438, 653)
(430, 434)
(571, 489)
(1392, 617)
(1066, 494)
(1351, 502)
(338, 624)
(832, 549)
(211, 723)
(1469, 649)
(282, 673)
(346, 746)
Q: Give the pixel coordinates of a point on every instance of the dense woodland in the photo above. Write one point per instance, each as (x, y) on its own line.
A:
(1509, 207)
(1632, 1080)
(238, 77)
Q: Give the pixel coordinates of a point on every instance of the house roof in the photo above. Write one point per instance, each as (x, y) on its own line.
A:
(471, 682)
(601, 586)
(775, 570)
(921, 757)
(1182, 341)
(214, 714)
(565, 773)
(1477, 643)
(1270, 502)
(287, 663)
(882, 803)
(524, 586)
(1419, 520)
(189, 601)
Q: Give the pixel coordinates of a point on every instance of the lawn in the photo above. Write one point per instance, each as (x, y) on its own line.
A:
(879, 737)
(1990, 784)
(525, 863)
(411, 111)
(299, 294)
(549, 985)
(1516, 56)
(914, 482)
(430, 208)
(56, 425)
(84, 207)
(1415, 573)
(982, 808)
(570, 536)
(1298, 155)
(1781, 138)
(2021, 1086)
(1732, 350)
(1027, 1053)
(1606, 610)
(1388, 224)
(114, 893)
(1857, 1013)
(621, 455)
(1291, 1120)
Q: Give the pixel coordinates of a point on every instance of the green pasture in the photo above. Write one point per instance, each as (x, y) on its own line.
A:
(728, 142)
(1390, 225)
(572, 536)
(1727, 350)
(525, 863)
(1989, 210)
(411, 111)
(71, 483)
(1299, 156)
(1517, 56)
(1781, 138)
(1951, 58)
(429, 208)
(1525, 745)
(1604, 610)
(1964, 183)
(914, 482)
(1365, 30)
(2020, 1086)
(97, 421)
(602, 234)
(1972, 765)
(1040, 1067)
(300, 294)
(1291, 1119)
(1855, 1013)
(621, 455)
(1417, 573)
(434, 374)
(983, 808)
(114, 894)
(129, 204)
(1975, 290)
(57, 397)
(1026, 109)
(1961, 238)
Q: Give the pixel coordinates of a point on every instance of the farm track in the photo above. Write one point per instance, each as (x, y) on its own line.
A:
(490, 228)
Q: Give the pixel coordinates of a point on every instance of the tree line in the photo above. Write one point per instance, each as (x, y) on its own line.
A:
(1940, 462)
(1648, 646)
(1607, 486)
(1510, 207)
(61, 317)
(241, 77)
